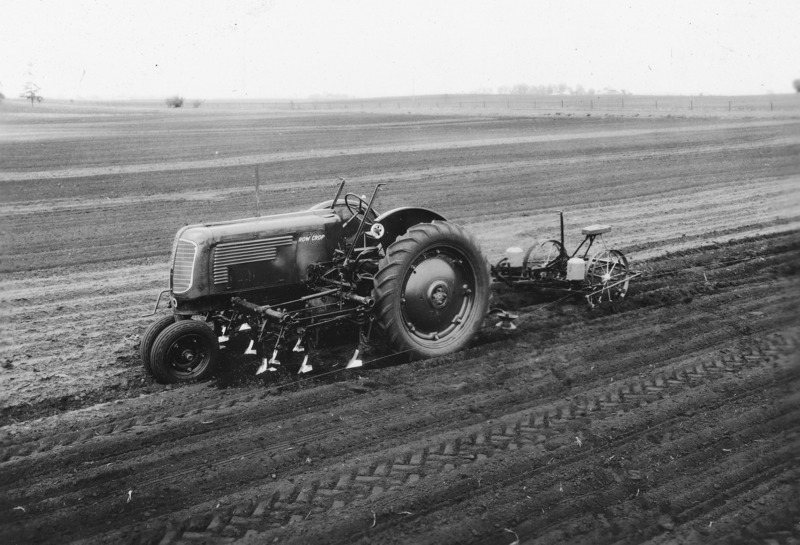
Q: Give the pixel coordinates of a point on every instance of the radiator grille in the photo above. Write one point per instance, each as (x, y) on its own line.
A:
(250, 251)
(185, 253)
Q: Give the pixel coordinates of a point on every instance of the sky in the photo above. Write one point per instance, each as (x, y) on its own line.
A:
(203, 49)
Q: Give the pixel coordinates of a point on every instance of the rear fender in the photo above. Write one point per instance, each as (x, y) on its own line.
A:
(396, 222)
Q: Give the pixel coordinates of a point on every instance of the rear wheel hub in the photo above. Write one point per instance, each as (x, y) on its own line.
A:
(437, 294)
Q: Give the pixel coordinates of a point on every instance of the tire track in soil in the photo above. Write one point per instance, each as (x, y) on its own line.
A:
(438, 497)
(546, 495)
(523, 431)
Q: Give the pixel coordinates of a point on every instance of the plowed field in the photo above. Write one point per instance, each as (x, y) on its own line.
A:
(673, 417)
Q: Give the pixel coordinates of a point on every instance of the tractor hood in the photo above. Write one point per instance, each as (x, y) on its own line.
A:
(233, 257)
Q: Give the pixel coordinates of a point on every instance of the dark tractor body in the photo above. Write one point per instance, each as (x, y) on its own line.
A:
(249, 258)
(270, 285)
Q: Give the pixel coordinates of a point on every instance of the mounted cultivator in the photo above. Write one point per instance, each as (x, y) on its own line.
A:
(278, 286)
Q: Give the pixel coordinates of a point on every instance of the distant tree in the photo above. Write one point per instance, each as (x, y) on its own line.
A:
(520, 89)
(197, 103)
(2, 97)
(32, 95)
(174, 101)
(31, 89)
(797, 85)
(504, 90)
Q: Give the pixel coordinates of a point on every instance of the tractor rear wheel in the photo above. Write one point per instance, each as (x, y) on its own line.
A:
(149, 337)
(432, 290)
(186, 350)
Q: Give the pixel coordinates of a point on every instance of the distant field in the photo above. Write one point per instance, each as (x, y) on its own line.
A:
(470, 104)
(586, 104)
(141, 172)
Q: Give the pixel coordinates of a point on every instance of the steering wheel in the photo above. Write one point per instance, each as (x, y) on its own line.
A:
(358, 208)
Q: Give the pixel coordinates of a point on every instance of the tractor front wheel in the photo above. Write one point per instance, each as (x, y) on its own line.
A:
(432, 290)
(149, 337)
(186, 350)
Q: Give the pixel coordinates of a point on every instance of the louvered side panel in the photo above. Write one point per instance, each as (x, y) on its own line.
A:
(237, 253)
(183, 265)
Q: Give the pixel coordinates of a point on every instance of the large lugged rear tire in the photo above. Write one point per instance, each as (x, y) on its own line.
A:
(432, 290)
(149, 337)
(186, 350)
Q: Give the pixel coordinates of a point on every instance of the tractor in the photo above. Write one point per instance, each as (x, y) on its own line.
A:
(271, 286)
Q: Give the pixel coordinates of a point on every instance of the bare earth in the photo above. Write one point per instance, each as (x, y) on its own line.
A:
(673, 418)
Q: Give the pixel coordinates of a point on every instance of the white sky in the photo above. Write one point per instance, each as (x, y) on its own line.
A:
(256, 49)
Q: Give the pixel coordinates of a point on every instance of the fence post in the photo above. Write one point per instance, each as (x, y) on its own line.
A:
(656, 105)
(770, 105)
(691, 105)
(729, 105)
(562, 102)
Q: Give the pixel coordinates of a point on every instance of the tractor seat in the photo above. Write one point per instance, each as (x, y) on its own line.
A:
(595, 230)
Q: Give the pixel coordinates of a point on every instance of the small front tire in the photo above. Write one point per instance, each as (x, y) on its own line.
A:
(185, 351)
(149, 337)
